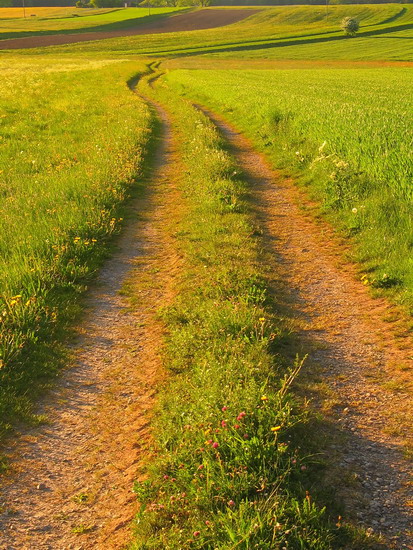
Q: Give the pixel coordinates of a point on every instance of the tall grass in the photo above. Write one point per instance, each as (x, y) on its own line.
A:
(348, 133)
(71, 147)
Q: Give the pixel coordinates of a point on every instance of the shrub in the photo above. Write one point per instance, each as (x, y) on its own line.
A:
(350, 26)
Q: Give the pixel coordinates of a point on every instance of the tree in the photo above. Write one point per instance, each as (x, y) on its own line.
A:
(350, 26)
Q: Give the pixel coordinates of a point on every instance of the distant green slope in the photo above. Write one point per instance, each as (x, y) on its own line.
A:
(297, 32)
(112, 20)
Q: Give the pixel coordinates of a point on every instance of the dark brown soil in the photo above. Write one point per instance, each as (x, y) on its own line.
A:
(193, 21)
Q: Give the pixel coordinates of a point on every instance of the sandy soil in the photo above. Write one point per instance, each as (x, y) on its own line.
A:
(359, 368)
(70, 484)
(196, 20)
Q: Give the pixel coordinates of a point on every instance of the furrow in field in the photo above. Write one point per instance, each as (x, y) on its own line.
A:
(352, 351)
(70, 484)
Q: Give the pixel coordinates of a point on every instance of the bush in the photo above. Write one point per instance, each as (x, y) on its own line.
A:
(350, 26)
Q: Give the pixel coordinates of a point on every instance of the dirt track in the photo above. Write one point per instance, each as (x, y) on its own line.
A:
(70, 487)
(70, 481)
(352, 352)
(196, 20)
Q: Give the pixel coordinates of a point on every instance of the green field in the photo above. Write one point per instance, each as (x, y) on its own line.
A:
(69, 156)
(352, 147)
(48, 12)
(333, 113)
(76, 20)
(275, 33)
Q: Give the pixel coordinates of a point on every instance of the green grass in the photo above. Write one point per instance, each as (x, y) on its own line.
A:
(273, 33)
(352, 148)
(382, 45)
(49, 12)
(70, 153)
(227, 472)
(82, 21)
(73, 141)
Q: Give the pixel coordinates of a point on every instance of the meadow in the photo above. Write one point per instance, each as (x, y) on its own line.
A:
(74, 140)
(69, 156)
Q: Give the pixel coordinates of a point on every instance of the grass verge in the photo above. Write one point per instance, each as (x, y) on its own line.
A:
(228, 472)
(72, 152)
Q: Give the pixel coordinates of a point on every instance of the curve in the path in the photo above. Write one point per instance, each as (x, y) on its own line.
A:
(197, 20)
(70, 484)
(340, 327)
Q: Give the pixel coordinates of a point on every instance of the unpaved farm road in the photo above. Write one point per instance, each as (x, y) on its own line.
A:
(197, 20)
(70, 485)
(351, 350)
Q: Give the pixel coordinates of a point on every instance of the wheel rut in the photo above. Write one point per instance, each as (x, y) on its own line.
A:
(352, 351)
(70, 480)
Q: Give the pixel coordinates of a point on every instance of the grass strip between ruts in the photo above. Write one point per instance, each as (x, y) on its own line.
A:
(227, 473)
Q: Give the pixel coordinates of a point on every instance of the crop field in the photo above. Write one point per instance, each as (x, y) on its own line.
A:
(234, 458)
(276, 33)
(68, 20)
(46, 13)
